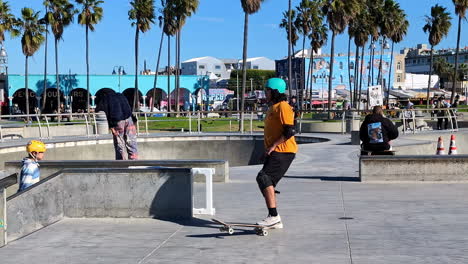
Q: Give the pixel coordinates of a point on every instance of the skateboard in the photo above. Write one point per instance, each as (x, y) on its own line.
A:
(378, 153)
(229, 227)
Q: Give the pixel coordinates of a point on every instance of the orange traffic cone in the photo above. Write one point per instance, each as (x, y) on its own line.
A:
(440, 147)
(453, 147)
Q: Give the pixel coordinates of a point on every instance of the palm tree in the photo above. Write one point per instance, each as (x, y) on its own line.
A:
(32, 38)
(170, 29)
(249, 7)
(161, 19)
(318, 37)
(386, 25)
(285, 24)
(352, 31)
(142, 16)
(59, 17)
(375, 11)
(45, 21)
(339, 13)
(91, 14)
(7, 20)
(182, 10)
(399, 31)
(303, 23)
(460, 9)
(437, 25)
(364, 29)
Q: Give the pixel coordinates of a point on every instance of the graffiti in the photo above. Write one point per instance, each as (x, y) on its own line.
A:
(2, 223)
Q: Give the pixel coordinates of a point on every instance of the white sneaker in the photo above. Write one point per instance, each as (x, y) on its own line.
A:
(271, 222)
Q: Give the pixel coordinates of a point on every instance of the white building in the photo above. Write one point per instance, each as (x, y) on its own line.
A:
(205, 66)
(420, 81)
(260, 63)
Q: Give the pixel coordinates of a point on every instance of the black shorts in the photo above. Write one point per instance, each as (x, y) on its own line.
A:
(274, 168)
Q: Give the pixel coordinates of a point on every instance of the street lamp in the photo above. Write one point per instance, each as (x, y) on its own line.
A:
(120, 71)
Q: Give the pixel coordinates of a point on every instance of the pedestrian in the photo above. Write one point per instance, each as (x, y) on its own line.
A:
(119, 116)
(30, 173)
(453, 111)
(376, 132)
(442, 115)
(280, 147)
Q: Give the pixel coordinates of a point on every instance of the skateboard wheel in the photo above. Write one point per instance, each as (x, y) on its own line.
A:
(231, 231)
(222, 229)
(264, 233)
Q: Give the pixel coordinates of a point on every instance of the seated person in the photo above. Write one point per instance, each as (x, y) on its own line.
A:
(377, 131)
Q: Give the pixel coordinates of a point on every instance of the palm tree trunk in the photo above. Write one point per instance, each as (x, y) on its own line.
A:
(157, 72)
(244, 71)
(430, 75)
(349, 69)
(57, 77)
(135, 94)
(301, 93)
(309, 75)
(356, 77)
(455, 73)
(177, 70)
(330, 79)
(168, 73)
(26, 88)
(44, 92)
(360, 80)
(289, 50)
(389, 77)
(87, 69)
(311, 79)
(380, 75)
(371, 64)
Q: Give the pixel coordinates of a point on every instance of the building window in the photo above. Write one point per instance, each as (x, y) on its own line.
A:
(255, 67)
(341, 78)
(351, 65)
(201, 67)
(352, 78)
(341, 65)
(414, 61)
(398, 78)
(218, 67)
(314, 65)
(398, 67)
(328, 65)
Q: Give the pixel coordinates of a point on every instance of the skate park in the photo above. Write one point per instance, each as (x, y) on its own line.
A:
(86, 210)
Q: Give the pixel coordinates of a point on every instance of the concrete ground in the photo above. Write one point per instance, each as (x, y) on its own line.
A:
(328, 218)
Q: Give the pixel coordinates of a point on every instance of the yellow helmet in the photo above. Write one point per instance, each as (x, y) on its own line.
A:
(35, 146)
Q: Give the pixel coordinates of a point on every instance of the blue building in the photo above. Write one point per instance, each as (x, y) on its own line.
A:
(320, 74)
(73, 91)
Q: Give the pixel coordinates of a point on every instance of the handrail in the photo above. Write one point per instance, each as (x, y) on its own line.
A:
(9, 181)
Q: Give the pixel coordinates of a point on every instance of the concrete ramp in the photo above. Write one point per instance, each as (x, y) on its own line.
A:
(163, 193)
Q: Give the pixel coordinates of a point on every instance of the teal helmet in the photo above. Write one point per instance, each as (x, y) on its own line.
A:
(276, 84)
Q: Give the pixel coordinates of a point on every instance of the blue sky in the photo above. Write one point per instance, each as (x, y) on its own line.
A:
(215, 30)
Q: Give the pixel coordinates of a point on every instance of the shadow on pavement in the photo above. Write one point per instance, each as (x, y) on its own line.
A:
(237, 232)
(325, 178)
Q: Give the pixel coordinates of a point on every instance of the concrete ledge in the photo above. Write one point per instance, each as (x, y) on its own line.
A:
(323, 127)
(49, 167)
(413, 168)
(160, 193)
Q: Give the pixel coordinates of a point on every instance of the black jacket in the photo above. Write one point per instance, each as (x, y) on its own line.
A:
(116, 107)
(376, 131)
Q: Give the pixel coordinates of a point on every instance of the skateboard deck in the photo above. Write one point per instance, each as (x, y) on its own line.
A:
(229, 227)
